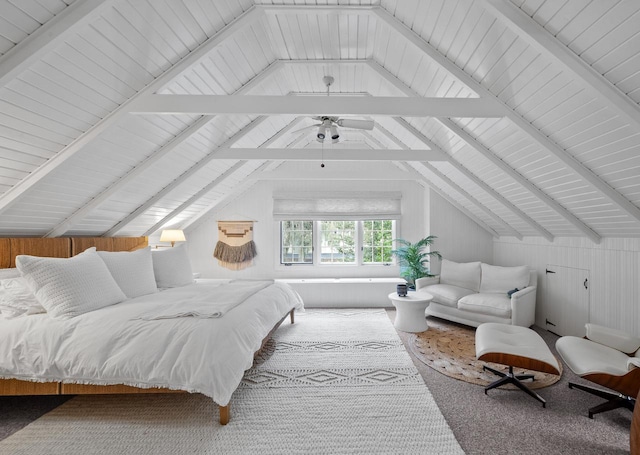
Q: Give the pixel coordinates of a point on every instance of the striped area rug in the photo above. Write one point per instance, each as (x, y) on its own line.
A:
(335, 382)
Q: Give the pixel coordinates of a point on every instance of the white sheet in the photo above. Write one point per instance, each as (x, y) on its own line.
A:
(227, 297)
(111, 346)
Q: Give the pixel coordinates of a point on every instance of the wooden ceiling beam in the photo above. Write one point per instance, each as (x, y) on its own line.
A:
(479, 182)
(312, 105)
(538, 37)
(227, 199)
(18, 190)
(48, 36)
(330, 154)
(511, 172)
(182, 178)
(163, 151)
(412, 130)
(488, 154)
(424, 180)
(457, 188)
(536, 135)
(207, 188)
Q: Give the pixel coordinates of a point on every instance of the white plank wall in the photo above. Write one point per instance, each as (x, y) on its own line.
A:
(459, 238)
(614, 267)
(257, 205)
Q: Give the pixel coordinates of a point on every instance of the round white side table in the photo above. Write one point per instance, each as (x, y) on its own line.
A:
(410, 316)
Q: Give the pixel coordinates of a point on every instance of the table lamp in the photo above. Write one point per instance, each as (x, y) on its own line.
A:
(173, 236)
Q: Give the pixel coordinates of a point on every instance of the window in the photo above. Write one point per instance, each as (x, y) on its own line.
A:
(377, 241)
(338, 242)
(296, 242)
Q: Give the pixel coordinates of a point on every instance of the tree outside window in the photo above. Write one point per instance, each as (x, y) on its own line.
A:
(296, 241)
(377, 241)
(338, 242)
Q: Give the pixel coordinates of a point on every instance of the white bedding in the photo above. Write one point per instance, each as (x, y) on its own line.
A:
(113, 346)
(228, 296)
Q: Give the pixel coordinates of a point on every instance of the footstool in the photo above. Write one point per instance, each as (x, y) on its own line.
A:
(514, 346)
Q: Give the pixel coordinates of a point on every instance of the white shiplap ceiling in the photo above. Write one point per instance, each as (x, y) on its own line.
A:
(523, 114)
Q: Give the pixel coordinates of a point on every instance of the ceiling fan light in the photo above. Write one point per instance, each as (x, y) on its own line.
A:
(322, 133)
(334, 133)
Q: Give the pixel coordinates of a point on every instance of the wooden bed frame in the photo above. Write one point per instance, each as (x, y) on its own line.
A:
(65, 248)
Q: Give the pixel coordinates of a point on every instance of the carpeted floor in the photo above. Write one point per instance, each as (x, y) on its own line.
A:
(511, 422)
(338, 382)
(503, 422)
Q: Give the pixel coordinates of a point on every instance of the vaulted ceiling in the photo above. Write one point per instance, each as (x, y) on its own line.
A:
(121, 117)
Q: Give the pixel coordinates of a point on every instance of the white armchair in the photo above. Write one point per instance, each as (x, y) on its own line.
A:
(608, 357)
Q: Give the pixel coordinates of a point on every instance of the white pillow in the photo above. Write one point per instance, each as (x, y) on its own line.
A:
(498, 279)
(133, 271)
(171, 267)
(70, 287)
(16, 299)
(462, 274)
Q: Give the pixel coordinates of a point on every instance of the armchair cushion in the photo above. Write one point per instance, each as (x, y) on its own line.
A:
(465, 275)
(448, 295)
(496, 279)
(492, 304)
(613, 338)
(587, 357)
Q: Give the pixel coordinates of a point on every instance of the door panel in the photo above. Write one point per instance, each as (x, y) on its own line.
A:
(567, 300)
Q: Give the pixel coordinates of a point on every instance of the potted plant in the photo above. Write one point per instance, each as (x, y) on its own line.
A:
(413, 259)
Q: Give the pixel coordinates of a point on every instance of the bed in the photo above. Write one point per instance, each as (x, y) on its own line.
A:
(138, 345)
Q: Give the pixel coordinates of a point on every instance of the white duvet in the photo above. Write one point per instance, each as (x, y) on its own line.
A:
(114, 346)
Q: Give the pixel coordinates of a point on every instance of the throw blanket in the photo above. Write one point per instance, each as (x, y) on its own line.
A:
(227, 297)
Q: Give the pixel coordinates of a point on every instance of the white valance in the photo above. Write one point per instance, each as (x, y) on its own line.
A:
(338, 206)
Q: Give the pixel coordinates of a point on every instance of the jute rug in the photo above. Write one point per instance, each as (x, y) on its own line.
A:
(335, 382)
(450, 348)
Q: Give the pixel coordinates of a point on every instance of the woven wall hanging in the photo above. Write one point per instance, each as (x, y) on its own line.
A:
(235, 249)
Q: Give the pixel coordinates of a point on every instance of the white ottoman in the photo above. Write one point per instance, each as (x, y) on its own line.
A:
(514, 346)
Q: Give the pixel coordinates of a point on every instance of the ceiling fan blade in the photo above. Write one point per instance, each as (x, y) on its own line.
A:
(355, 123)
(307, 128)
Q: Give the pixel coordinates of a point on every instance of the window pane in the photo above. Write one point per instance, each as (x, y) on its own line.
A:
(296, 242)
(377, 241)
(338, 242)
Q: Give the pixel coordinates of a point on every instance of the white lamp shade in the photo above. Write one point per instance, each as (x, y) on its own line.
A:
(172, 235)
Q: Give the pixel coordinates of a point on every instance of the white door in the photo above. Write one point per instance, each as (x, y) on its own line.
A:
(567, 300)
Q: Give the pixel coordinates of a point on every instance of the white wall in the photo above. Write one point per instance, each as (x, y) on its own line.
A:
(614, 267)
(257, 204)
(423, 213)
(459, 239)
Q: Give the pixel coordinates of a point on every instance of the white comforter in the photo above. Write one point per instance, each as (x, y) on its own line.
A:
(113, 346)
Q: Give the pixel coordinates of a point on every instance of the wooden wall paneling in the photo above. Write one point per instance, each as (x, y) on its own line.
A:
(17, 387)
(129, 243)
(79, 244)
(56, 248)
(5, 253)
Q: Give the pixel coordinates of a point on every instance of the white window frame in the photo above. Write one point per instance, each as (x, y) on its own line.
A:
(317, 247)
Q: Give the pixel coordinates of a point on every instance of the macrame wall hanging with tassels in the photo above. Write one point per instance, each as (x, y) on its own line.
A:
(235, 249)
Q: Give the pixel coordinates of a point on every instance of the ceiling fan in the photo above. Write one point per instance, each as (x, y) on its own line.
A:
(331, 123)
